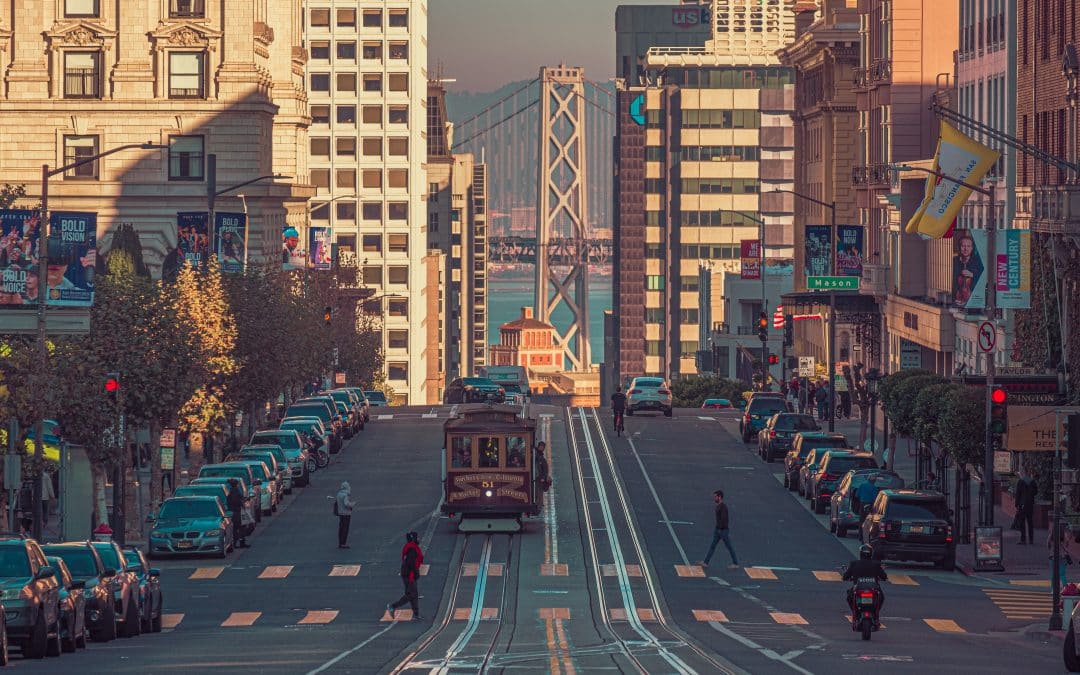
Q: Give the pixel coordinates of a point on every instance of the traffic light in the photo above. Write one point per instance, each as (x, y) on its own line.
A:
(789, 330)
(773, 359)
(328, 314)
(999, 419)
(112, 387)
(763, 327)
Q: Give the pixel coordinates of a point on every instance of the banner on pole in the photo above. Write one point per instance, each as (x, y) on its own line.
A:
(750, 255)
(229, 229)
(18, 256)
(72, 258)
(193, 236)
(817, 261)
(319, 253)
(849, 250)
(293, 257)
(1013, 269)
(969, 284)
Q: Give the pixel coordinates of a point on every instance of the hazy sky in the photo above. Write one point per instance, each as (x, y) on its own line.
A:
(487, 43)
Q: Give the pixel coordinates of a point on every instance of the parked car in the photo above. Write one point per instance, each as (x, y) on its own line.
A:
(125, 588)
(30, 592)
(216, 490)
(266, 485)
(149, 587)
(186, 525)
(280, 463)
(834, 464)
(910, 525)
(757, 413)
(365, 405)
(329, 416)
(376, 398)
(352, 402)
(844, 511)
(72, 607)
(775, 438)
(648, 393)
(85, 565)
(311, 429)
(801, 445)
(245, 475)
(716, 404)
(1069, 651)
(473, 390)
(247, 514)
(292, 445)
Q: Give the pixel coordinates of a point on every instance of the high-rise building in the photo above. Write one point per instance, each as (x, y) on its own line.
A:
(457, 226)
(367, 84)
(699, 146)
(221, 77)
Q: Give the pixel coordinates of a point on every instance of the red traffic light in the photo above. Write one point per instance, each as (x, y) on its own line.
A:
(773, 359)
(998, 396)
(112, 385)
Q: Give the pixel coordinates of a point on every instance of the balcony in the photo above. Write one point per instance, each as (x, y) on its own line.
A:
(860, 78)
(1056, 209)
(875, 280)
(871, 176)
(880, 70)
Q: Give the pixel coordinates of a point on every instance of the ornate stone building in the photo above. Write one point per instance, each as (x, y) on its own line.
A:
(222, 77)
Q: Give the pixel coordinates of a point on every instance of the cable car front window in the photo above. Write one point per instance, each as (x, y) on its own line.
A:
(515, 452)
(462, 454)
(489, 452)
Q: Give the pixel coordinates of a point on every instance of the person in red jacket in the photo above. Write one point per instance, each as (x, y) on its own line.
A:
(411, 560)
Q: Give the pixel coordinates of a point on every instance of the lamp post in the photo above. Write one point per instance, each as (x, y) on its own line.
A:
(873, 376)
(831, 337)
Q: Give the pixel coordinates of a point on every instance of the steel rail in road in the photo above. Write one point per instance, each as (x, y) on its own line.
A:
(454, 657)
(662, 648)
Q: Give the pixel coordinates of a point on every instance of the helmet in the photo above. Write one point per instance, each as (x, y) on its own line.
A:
(413, 537)
(865, 552)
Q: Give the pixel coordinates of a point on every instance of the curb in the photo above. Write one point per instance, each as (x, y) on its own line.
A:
(965, 569)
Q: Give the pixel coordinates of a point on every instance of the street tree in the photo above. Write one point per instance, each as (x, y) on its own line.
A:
(965, 412)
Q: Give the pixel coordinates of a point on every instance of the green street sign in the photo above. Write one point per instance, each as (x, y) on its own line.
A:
(832, 283)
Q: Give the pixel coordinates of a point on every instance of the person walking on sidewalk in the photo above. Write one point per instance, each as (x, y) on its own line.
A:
(721, 532)
(236, 509)
(411, 560)
(343, 506)
(1026, 491)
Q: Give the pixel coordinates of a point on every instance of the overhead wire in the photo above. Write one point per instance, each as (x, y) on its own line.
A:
(500, 101)
(488, 128)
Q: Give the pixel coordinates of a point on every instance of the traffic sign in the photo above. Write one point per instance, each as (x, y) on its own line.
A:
(806, 366)
(987, 336)
(832, 283)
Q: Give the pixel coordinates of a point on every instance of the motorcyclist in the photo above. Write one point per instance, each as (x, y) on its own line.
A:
(618, 402)
(865, 568)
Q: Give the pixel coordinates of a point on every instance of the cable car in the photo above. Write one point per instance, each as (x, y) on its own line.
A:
(488, 468)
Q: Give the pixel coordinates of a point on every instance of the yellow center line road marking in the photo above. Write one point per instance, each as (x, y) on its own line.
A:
(633, 571)
(709, 615)
(495, 569)
(555, 613)
(788, 618)
(553, 663)
(902, 580)
(554, 570)
(646, 614)
(276, 572)
(944, 625)
(760, 573)
(828, 576)
(207, 573)
(319, 616)
(470, 569)
(241, 619)
(170, 621)
(564, 647)
(344, 570)
(690, 570)
(1040, 583)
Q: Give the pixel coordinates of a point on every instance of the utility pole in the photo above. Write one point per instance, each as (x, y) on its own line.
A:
(991, 357)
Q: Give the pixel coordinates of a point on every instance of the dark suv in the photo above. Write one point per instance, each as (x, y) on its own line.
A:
(775, 439)
(757, 413)
(86, 566)
(804, 442)
(31, 597)
(125, 587)
(831, 470)
(910, 525)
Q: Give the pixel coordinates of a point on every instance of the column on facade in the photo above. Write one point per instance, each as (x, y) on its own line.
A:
(133, 75)
(28, 75)
(238, 76)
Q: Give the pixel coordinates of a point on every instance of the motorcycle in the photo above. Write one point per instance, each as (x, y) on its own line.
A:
(864, 615)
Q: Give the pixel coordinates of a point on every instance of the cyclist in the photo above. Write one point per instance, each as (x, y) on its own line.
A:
(618, 405)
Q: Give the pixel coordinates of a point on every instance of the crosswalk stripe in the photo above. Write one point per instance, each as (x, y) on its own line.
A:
(399, 615)
(1040, 583)
(384, 417)
(207, 573)
(554, 569)
(827, 575)
(241, 619)
(944, 625)
(788, 618)
(760, 573)
(902, 580)
(344, 570)
(424, 569)
(707, 419)
(276, 572)
(690, 570)
(709, 615)
(319, 616)
(170, 621)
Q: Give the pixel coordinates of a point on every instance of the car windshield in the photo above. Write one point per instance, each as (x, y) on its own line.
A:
(193, 508)
(109, 557)
(511, 388)
(841, 465)
(650, 382)
(259, 469)
(916, 509)
(811, 443)
(767, 406)
(375, 396)
(224, 472)
(477, 381)
(796, 423)
(196, 491)
(309, 410)
(132, 558)
(81, 564)
(286, 441)
(14, 562)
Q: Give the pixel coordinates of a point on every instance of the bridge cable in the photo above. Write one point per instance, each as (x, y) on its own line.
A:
(497, 103)
(488, 128)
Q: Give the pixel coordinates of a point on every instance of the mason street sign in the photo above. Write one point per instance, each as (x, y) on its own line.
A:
(832, 283)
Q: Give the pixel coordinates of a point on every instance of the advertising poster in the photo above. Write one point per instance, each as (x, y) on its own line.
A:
(319, 254)
(1013, 252)
(293, 256)
(18, 257)
(849, 250)
(750, 252)
(72, 258)
(229, 231)
(193, 236)
(818, 260)
(969, 252)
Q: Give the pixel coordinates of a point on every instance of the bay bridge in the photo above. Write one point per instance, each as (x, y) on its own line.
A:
(561, 252)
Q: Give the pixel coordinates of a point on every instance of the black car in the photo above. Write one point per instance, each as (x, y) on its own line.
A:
(473, 390)
(72, 607)
(149, 587)
(804, 442)
(831, 470)
(125, 588)
(775, 439)
(31, 597)
(757, 413)
(326, 411)
(910, 525)
(85, 565)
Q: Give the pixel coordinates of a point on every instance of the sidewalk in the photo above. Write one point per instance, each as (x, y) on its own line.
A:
(1019, 561)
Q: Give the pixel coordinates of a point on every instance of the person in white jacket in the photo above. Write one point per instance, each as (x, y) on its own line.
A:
(343, 506)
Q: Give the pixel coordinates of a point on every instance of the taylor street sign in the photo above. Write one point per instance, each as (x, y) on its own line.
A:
(832, 283)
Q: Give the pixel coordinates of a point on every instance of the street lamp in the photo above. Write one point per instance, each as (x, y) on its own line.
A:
(212, 193)
(873, 376)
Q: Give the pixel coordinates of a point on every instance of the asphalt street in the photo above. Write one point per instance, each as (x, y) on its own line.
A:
(607, 578)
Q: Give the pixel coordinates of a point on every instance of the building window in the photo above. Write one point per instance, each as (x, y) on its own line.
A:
(346, 18)
(346, 146)
(398, 114)
(372, 51)
(346, 51)
(397, 178)
(320, 51)
(398, 307)
(399, 18)
(372, 82)
(372, 243)
(372, 146)
(688, 317)
(654, 251)
(399, 50)
(372, 275)
(654, 348)
(372, 18)
(346, 210)
(320, 114)
(320, 147)
(432, 192)
(397, 211)
(186, 157)
(398, 147)
(399, 82)
(397, 243)
(654, 315)
(691, 283)
(82, 74)
(346, 82)
(187, 75)
(320, 82)
(397, 339)
(397, 371)
(372, 210)
(433, 221)
(77, 148)
(187, 9)
(319, 212)
(345, 178)
(320, 178)
(373, 179)
(373, 114)
(320, 18)
(346, 114)
(81, 8)
(397, 275)
(654, 282)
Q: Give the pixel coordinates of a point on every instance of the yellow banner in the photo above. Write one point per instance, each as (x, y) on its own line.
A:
(962, 159)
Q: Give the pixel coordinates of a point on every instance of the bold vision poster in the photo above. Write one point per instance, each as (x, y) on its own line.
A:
(229, 231)
(193, 236)
(72, 258)
(818, 260)
(18, 257)
(849, 250)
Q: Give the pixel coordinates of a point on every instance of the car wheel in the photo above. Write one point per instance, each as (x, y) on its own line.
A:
(55, 644)
(668, 412)
(155, 622)
(875, 553)
(819, 505)
(629, 412)
(832, 525)
(68, 644)
(147, 622)
(36, 643)
(80, 642)
(131, 620)
(793, 483)
(1072, 661)
(107, 632)
(3, 645)
(787, 481)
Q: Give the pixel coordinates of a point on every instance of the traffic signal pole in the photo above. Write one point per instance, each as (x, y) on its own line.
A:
(991, 366)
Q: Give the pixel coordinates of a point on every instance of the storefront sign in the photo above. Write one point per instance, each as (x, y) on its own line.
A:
(988, 548)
